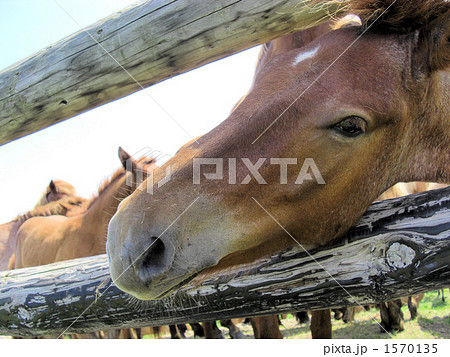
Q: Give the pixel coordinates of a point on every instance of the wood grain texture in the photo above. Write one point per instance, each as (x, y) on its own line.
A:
(136, 48)
(399, 247)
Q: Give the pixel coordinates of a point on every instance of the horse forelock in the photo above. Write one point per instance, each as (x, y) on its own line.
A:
(397, 16)
(303, 37)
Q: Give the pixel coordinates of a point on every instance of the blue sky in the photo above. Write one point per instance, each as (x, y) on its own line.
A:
(83, 150)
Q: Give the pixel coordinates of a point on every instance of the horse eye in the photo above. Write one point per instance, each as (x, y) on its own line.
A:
(351, 126)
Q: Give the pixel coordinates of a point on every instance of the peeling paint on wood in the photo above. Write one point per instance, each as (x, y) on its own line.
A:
(400, 256)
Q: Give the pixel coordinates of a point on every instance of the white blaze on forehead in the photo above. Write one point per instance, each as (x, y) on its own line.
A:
(305, 55)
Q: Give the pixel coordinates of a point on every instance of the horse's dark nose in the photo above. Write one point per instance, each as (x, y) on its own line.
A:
(152, 260)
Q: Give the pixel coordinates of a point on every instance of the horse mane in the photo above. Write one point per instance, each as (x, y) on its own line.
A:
(105, 184)
(67, 206)
(397, 16)
(144, 161)
(262, 52)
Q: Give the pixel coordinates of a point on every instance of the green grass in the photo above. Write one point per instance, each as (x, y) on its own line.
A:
(433, 322)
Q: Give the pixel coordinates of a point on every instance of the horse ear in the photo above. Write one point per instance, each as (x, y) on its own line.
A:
(434, 43)
(52, 186)
(128, 163)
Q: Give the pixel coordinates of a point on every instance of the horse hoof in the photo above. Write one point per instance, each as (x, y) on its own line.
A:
(219, 335)
(237, 335)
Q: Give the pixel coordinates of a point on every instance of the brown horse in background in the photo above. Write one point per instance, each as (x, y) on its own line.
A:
(369, 104)
(44, 240)
(58, 198)
(56, 190)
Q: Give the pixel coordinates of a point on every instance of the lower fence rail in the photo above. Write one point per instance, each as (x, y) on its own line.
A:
(398, 248)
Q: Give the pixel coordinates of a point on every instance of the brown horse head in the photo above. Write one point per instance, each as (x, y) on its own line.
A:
(56, 190)
(325, 129)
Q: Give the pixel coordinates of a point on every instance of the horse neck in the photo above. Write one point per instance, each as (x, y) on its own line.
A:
(105, 205)
(428, 141)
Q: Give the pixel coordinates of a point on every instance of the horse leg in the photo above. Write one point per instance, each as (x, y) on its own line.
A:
(391, 316)
(235, 333)
(413, 304)
(384, 316)
(256, 328)
(156, 331)
(412, 307)
(128, 334)
(182, 330)
(266, 327)
(138, 333)
(321, 324)
(110, 334)
(198, 329)
(174, 333)
(396, 315)
(302, 317)
(349, 315)
(211, 330)
(338, 313)
(142, 331)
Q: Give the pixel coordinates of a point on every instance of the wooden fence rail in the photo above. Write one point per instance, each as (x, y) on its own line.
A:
(138, 47)
(399, 247)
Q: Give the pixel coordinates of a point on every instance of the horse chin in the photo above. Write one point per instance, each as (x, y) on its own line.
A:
(162, 291)
(175, 288)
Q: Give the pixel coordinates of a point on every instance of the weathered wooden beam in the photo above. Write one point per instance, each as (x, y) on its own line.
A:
(399, 247)
(136, 48)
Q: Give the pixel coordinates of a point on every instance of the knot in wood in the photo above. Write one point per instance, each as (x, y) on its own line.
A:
(400, 255)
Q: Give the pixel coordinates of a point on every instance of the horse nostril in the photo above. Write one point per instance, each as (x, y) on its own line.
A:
(153, 259)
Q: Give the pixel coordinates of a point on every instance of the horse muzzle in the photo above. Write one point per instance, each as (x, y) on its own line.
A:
(148, 265)
(139, 261)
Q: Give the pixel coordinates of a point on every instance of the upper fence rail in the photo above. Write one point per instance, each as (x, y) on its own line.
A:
(138, 47)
